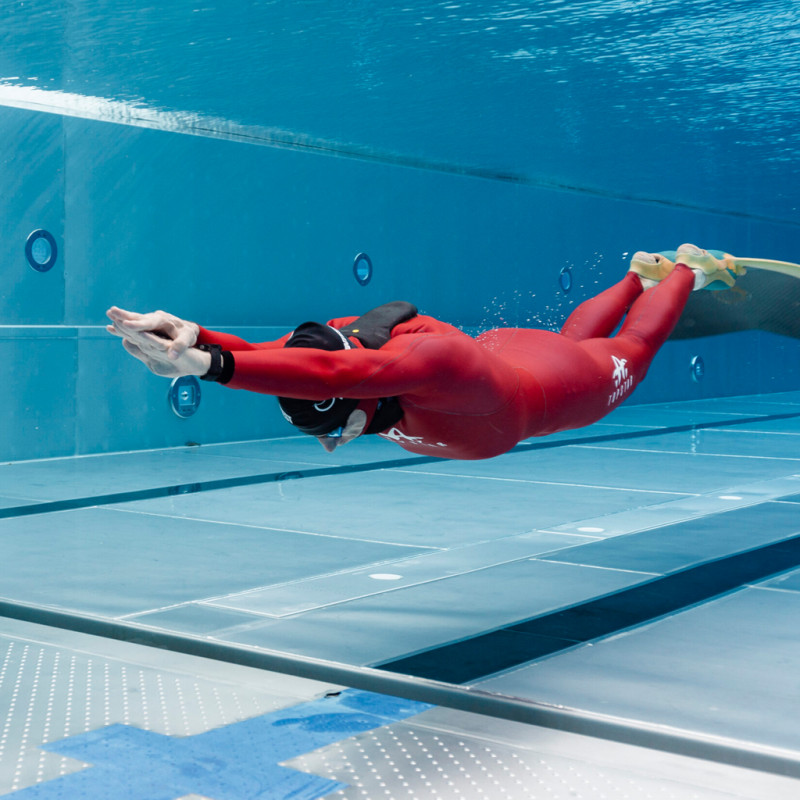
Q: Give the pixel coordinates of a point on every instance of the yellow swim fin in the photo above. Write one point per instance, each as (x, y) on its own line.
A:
(719, 271)
(721, 268)
(784, 267)
(765, 298)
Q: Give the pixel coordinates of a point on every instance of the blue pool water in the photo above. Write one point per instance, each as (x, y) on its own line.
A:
(218, 607)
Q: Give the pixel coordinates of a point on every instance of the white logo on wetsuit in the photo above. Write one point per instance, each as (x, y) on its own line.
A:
(395, 435)
(622, 380)
(620, 369)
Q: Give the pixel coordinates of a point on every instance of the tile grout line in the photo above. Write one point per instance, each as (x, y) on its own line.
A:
(604, 616)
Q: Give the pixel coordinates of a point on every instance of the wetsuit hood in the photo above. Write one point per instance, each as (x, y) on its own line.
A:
(317, 418)
(372, 330)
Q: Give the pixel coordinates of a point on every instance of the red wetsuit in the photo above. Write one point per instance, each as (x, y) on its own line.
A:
(471, 398)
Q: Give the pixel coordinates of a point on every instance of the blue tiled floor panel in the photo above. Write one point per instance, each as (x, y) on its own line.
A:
(727, 667)
(670, 414)
(196, 618)
(119, 563)
(591, 466)
(791, 498)
(13, 502)
(373, 556)
(683, 508)
(435, 612)
(304, 450)
(293, 598)
(100, 475)
(773, 403)
(788, 581)
(410, 508)
(683, 544)
(717, 442)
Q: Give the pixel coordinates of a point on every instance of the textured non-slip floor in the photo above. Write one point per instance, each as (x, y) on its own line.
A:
(90, 718)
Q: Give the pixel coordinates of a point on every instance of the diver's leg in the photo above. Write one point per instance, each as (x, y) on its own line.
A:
(655, 313)
(623, 361)
(598, 316)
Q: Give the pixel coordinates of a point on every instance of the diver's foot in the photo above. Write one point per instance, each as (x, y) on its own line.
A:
(650, 267)
(707, 269)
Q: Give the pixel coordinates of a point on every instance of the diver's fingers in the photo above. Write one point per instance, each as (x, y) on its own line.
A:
(152, 343)
(328, 444)
(179, 333)
(135, 351)
(184, 338)
(151, 321)
(117, 314)
(354, 426)
(157, 364)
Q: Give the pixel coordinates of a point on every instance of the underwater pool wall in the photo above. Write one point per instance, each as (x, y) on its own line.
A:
(257, 239)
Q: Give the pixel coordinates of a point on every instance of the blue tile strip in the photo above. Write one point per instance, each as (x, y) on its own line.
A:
(241, 761)
(528, 640)
(272, 477)
(790, 498)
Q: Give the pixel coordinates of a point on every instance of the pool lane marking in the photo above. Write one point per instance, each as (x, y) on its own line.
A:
(532, 481)
(527, 641)
(689, 453)
(52, 506)
(253, 526)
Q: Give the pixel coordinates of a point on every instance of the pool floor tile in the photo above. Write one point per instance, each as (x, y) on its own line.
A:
(92, 476)
(631, 469)
(452, 608)
(716, 442)
(306, 594)
(685, 544)
(721, 668)
(115, 563)
(419, 509)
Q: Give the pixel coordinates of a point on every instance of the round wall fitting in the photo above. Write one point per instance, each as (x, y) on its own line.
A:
(362, 269)
(698, 369)
(41, 250)
(184, 396)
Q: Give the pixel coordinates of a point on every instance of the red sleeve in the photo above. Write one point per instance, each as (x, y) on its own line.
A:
(409, 365)
(426, 361)
(230, 342)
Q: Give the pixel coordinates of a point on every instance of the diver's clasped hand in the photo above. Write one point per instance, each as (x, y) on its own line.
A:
(163, 342)
(180, 333)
